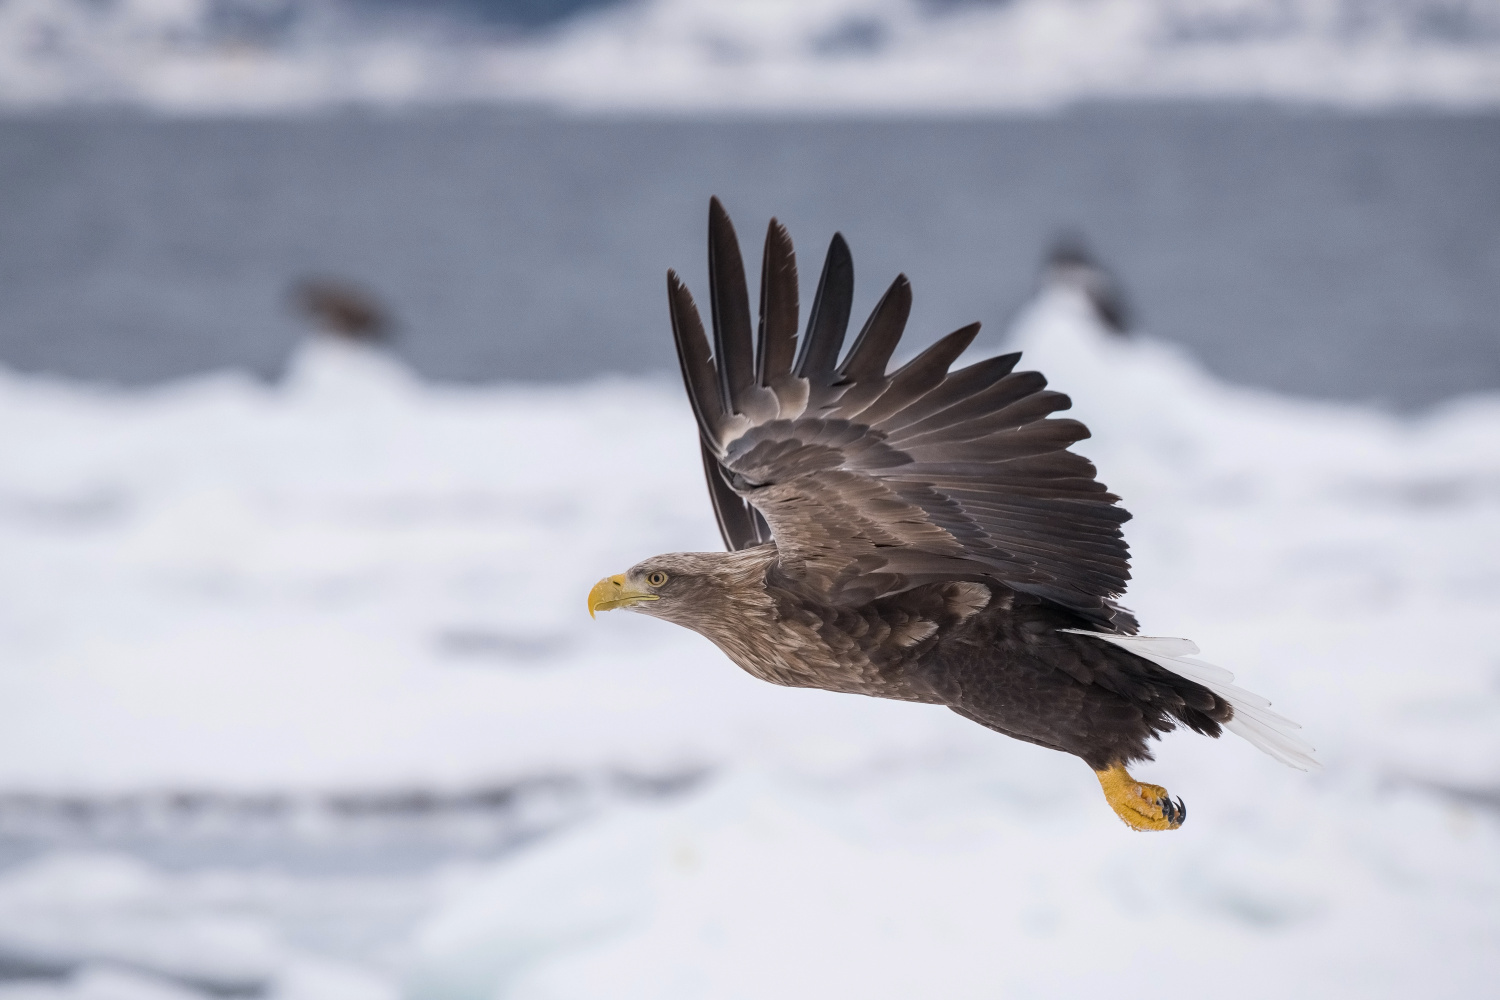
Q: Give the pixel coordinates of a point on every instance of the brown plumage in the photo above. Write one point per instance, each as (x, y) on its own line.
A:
(923, 535)
(342, 308)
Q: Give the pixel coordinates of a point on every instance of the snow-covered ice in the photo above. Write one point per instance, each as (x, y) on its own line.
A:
(355, 581)
(904, 56)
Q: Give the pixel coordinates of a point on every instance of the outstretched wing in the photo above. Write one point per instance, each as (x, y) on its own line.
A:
(873, 482)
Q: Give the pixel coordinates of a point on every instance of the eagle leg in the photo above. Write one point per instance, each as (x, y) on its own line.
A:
(1142, 807)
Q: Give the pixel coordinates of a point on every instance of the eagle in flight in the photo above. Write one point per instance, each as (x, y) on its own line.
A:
(920, 534)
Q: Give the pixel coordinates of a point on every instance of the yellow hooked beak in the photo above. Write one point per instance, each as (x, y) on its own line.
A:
(612, 592)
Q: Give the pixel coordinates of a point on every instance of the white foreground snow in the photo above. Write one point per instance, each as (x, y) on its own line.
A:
(356, 581)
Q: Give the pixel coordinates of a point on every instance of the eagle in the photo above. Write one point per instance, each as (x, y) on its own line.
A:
(923, 534)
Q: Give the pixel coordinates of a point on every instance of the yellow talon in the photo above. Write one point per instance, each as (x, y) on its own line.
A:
(1142, 807)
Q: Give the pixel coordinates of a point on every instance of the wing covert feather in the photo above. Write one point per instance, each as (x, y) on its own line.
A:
(739, 523)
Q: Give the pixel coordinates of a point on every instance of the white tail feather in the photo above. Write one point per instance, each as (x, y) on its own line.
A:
(1253, 719)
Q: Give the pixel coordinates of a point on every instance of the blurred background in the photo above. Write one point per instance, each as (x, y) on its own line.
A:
(335, 368)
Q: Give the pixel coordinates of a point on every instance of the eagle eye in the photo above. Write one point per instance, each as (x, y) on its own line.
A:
(656, 579)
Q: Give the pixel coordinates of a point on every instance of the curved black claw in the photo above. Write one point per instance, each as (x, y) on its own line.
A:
(1175, 813)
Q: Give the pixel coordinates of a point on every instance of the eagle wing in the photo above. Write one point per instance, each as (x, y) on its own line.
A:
(872, 482)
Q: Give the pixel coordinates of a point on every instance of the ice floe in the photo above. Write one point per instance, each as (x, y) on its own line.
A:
(243, 589)
(924, 56)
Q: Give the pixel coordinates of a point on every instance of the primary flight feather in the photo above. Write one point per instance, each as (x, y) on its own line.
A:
(920, 534)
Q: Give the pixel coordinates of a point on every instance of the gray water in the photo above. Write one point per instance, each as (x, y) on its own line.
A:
(1316, 253)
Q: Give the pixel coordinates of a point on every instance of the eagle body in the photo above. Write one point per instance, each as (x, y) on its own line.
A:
(995, 656)
(923, 534)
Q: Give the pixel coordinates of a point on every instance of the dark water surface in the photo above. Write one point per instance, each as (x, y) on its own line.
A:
(1331, 255)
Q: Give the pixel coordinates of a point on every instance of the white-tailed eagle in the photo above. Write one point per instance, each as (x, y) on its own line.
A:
(919, 534)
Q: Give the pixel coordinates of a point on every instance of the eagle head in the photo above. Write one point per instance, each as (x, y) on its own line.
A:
(689, 588)
(673, 579)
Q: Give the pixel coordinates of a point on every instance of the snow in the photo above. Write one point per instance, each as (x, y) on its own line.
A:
(356, 582)
(962, 881)
(904, 56)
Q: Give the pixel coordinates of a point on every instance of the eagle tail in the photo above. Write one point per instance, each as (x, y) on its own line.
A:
(1253, 719)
